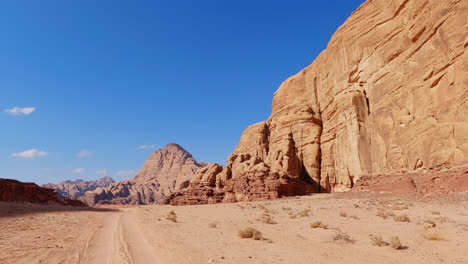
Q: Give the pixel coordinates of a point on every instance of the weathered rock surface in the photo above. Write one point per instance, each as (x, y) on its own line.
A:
(28, 192)
(388, 95)
(76, 189)
(423, 182)
(166, 171)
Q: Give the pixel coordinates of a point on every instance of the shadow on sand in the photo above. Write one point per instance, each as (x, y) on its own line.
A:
(12, 209)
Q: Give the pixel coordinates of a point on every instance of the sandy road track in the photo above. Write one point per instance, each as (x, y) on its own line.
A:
(118, 240)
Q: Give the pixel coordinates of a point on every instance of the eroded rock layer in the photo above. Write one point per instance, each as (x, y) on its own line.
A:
(166, 171)
(389, 94)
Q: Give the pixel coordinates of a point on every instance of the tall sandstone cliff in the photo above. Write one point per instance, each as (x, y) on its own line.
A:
(166, 171)
(389, 94)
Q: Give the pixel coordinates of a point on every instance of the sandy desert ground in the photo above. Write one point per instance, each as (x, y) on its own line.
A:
(434, 231)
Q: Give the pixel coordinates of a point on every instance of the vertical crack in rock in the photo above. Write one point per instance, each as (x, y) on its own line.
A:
(367, 102)
(319, 186)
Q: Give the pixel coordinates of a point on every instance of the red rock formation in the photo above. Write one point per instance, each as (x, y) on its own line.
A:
(16, 191)
(27, 192)
(388, 95)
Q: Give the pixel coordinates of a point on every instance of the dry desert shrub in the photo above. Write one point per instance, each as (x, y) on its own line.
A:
(385, 202)
(356, 205)
(401, 218)
(292, 215)
(384, 214)
(430, 222)
(171, 216)
(318, 224)
(344, 214)
(341, 236)
(286, 208)
(267, 219)
(304, 213)
(435, 212)
(395, 243)
(265, 209)
(444, 219)
(250, 233)
(212, 225)
(432, 235)
(378, 241)
(398, 207)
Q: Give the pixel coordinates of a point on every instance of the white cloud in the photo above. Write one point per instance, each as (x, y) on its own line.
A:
(125, 172)
(30, 154)
(103, 172)
(20, 110)
(78, 170)
(84, 153)
(146, 147)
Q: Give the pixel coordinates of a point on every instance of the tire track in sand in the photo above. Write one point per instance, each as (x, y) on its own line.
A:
(118, 241)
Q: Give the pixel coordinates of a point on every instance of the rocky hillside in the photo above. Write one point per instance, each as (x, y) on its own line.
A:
(28, 192)
(389, 94)
(166, 171)
(76, 189)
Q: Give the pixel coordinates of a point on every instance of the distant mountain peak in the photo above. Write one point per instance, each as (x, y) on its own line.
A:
(165, 171)
(167, 161)
(174, 145)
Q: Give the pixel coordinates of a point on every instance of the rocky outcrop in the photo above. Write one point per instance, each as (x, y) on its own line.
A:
(388, 95)
(166, 171)
(76, 189)
(28, 192)
(422, 182)
(16, 191)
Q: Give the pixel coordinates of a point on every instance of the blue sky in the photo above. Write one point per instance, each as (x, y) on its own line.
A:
(98, 79)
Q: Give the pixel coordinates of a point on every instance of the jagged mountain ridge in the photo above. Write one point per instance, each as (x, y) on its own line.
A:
(77, 188)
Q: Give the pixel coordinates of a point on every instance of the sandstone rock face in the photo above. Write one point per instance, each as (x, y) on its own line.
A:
(388, 95)
(76, 189)
(422, 182)
(166, 171)
(28, 192)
